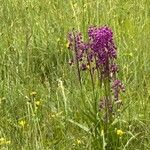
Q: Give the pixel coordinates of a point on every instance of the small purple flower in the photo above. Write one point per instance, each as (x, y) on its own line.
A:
(114, 68)
(77, 44)
(118, 84)
(117, 87)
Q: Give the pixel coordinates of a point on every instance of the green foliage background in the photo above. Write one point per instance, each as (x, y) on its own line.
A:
(34, 57)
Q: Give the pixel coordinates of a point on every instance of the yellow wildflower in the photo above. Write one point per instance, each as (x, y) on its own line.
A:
(22, 123)
(4, 141)
(120, 132)
(33, 93)
(37, 103)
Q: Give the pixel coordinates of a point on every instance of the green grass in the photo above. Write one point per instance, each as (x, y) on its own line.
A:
(34, 57)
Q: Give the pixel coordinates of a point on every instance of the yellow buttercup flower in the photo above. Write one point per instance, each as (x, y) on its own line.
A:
(22, 123)
(120, 132)
(33, 93)
(37, 103)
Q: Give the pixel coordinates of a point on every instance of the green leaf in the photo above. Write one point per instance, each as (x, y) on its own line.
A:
(79, 125)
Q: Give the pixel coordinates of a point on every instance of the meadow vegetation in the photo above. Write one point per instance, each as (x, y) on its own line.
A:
(42, 105)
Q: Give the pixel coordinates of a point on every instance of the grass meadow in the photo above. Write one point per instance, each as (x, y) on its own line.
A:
(42, 106)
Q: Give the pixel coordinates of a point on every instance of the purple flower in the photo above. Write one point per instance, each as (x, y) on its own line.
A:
(77, 44)
(98, 55)
(100, 45)
(117, 87)
(101, 41)
(113, 70)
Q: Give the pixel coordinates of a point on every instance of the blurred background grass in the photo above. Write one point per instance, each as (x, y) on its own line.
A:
(34, 57)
